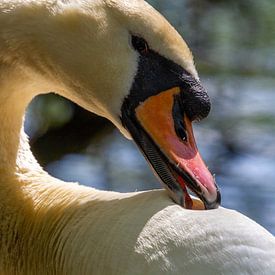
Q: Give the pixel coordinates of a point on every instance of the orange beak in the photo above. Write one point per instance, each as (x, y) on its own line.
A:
(171, 150)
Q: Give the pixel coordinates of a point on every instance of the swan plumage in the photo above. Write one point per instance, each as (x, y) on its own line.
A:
(48, 226)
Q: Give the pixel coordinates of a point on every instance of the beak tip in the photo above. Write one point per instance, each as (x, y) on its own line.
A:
(215, 204)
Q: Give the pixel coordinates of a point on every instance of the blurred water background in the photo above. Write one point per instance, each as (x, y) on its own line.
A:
(234, 47)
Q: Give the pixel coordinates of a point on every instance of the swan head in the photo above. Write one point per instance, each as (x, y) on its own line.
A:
(135, 69)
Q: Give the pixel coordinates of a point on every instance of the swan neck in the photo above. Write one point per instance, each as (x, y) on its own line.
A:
(25, 72)
(15, 153)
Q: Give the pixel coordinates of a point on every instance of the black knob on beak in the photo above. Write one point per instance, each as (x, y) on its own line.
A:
(195, 100)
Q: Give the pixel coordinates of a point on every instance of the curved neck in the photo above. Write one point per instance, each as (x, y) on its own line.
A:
(23, 75)
(15, 95)
(25, 71)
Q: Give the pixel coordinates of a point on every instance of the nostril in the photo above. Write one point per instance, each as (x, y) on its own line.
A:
(196, 102)
(178, 114)
(180, 130)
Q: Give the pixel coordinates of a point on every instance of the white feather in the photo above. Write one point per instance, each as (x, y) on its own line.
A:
(52, 227)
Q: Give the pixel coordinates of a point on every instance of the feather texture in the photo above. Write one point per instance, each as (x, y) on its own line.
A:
(52, 227)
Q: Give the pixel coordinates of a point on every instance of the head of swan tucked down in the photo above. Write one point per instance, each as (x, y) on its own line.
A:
(123, 60)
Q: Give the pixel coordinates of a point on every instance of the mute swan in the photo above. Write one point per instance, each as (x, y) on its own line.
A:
(122, 60)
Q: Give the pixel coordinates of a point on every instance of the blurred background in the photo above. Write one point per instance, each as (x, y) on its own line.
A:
(234, 47)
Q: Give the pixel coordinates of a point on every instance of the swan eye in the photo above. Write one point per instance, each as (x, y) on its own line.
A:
(140, 45)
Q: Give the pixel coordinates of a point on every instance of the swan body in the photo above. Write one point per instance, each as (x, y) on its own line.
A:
(48, 226)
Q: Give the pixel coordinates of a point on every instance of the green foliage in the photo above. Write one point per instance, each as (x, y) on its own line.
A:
(226, 36)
